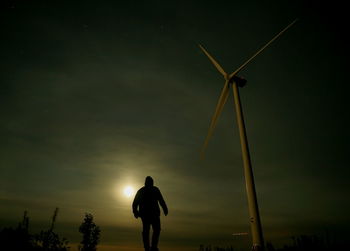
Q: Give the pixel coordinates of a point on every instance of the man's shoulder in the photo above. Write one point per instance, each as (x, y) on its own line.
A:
(141, 190)
(156, 190)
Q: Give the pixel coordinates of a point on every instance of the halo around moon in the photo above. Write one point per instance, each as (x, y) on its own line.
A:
(128, 191)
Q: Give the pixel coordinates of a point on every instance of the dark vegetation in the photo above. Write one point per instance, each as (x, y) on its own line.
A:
(309, 243)
(19, 238)
(299, 243)
(91, 234)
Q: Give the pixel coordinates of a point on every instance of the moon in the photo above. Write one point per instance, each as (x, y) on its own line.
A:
(128, 191)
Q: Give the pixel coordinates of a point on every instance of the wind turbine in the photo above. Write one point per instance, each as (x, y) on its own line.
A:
(234, 81)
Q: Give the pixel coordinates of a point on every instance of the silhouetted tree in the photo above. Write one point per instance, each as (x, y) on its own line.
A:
(49, 240)
(18, 238)
(91, 234)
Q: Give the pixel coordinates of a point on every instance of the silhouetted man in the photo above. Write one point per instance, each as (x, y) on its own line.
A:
(145, 205)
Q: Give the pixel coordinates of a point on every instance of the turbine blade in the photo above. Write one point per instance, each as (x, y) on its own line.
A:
(219, 107)
(216, 64)
(262, 48)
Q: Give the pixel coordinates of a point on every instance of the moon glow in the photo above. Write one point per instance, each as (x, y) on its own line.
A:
(128, 191)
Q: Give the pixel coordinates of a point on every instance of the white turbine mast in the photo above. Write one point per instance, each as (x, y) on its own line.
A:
(234, 81)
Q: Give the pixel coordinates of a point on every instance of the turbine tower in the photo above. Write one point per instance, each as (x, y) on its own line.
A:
(234, 81)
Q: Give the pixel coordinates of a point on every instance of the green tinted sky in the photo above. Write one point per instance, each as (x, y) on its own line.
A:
(96, 95)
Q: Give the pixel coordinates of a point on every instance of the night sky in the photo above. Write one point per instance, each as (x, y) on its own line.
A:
(97, 95)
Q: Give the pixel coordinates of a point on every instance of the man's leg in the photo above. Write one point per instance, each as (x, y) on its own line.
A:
(146, 224)
(156, 233)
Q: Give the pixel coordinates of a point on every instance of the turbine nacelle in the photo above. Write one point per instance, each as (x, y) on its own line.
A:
(238, 80)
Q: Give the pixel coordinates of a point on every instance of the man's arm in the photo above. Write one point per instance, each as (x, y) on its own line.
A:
(162, 203)
(135, 204)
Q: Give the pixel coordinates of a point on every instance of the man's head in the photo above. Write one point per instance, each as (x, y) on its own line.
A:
(149, 181)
